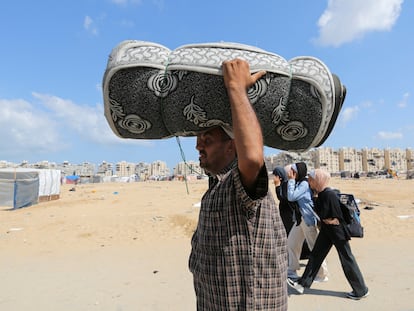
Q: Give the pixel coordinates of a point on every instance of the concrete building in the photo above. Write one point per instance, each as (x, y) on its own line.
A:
(396, 159)
(347, 159)
(188, 168)
(373, 160)
(326, 158)
(142, 170)
(124, 169)
(409, 156)
(105, 169)
(85, 169)
(159, 168)
(284, 158)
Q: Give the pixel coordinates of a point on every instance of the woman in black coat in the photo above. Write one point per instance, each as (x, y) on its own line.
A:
(289, 211)
(333, 232)
(286, 208)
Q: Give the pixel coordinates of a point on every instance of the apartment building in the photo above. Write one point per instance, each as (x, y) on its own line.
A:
(159, 168)
(124, 169)
(348, 159)
(105, 169)
(188, 168)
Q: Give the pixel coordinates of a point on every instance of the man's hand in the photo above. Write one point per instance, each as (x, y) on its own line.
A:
(237, 74)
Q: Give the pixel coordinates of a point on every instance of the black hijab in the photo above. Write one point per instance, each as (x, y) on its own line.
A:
(280, 171)
(302, 171)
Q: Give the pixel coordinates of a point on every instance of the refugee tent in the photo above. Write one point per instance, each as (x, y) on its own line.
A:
(49, 184)
(113, 178)
(72, 179)
(18, 188)
(96, 179)
(22, 187)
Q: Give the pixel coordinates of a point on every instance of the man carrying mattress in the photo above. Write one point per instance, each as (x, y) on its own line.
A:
(239, 256)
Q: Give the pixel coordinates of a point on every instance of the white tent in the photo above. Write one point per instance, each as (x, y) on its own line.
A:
(49, 184)
(21, 187)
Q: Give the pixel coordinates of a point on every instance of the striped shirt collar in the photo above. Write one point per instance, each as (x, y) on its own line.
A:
(222, 175)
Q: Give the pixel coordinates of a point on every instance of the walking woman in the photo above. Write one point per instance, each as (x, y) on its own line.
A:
(286, 208)
(333, 232)
(306, 225)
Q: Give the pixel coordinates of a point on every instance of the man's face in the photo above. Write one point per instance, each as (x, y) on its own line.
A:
(216, 150)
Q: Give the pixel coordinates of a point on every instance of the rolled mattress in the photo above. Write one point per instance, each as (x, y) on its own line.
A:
(152, 92)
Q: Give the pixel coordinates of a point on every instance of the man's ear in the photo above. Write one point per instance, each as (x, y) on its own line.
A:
(231, 146)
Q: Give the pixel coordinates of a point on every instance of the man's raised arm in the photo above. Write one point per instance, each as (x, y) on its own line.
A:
(246, 127)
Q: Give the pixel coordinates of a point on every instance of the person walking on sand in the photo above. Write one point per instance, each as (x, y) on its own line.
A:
(333, 232)
(306, 225)
(286, 208)
(238, 252)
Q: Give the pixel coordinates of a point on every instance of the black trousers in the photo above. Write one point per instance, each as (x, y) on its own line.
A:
(323, 244)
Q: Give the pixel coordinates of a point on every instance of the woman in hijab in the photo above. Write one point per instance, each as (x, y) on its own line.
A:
(333, 232)
(286, 208)
(306, 224)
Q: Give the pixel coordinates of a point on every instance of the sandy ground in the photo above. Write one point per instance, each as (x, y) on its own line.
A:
(125, 246)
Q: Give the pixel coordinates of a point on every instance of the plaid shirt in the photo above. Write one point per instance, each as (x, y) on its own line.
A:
(239, 255)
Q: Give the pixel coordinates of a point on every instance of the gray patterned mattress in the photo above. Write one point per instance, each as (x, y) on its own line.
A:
(152, 92)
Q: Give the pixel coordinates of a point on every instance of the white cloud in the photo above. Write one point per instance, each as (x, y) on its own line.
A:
(404, 101)
(121, 2)
(126, 2)
(367, 104)
(86, 121)
(25, 129)
(346, 20)
(348, 114)
(53, 124)
(127, 23)
(89, 25)
(87, 22)
(389, 135)
(159, 4)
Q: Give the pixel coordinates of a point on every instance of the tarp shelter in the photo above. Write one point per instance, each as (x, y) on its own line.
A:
(21, 187)
(72, 179)
(49, 184)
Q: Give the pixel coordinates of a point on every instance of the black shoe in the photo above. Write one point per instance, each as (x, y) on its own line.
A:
(353, 296)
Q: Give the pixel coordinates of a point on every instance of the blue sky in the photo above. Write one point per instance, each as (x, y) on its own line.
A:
(53, 55)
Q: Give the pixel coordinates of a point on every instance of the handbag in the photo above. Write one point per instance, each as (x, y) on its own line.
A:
(350, 212)
(355, 229)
